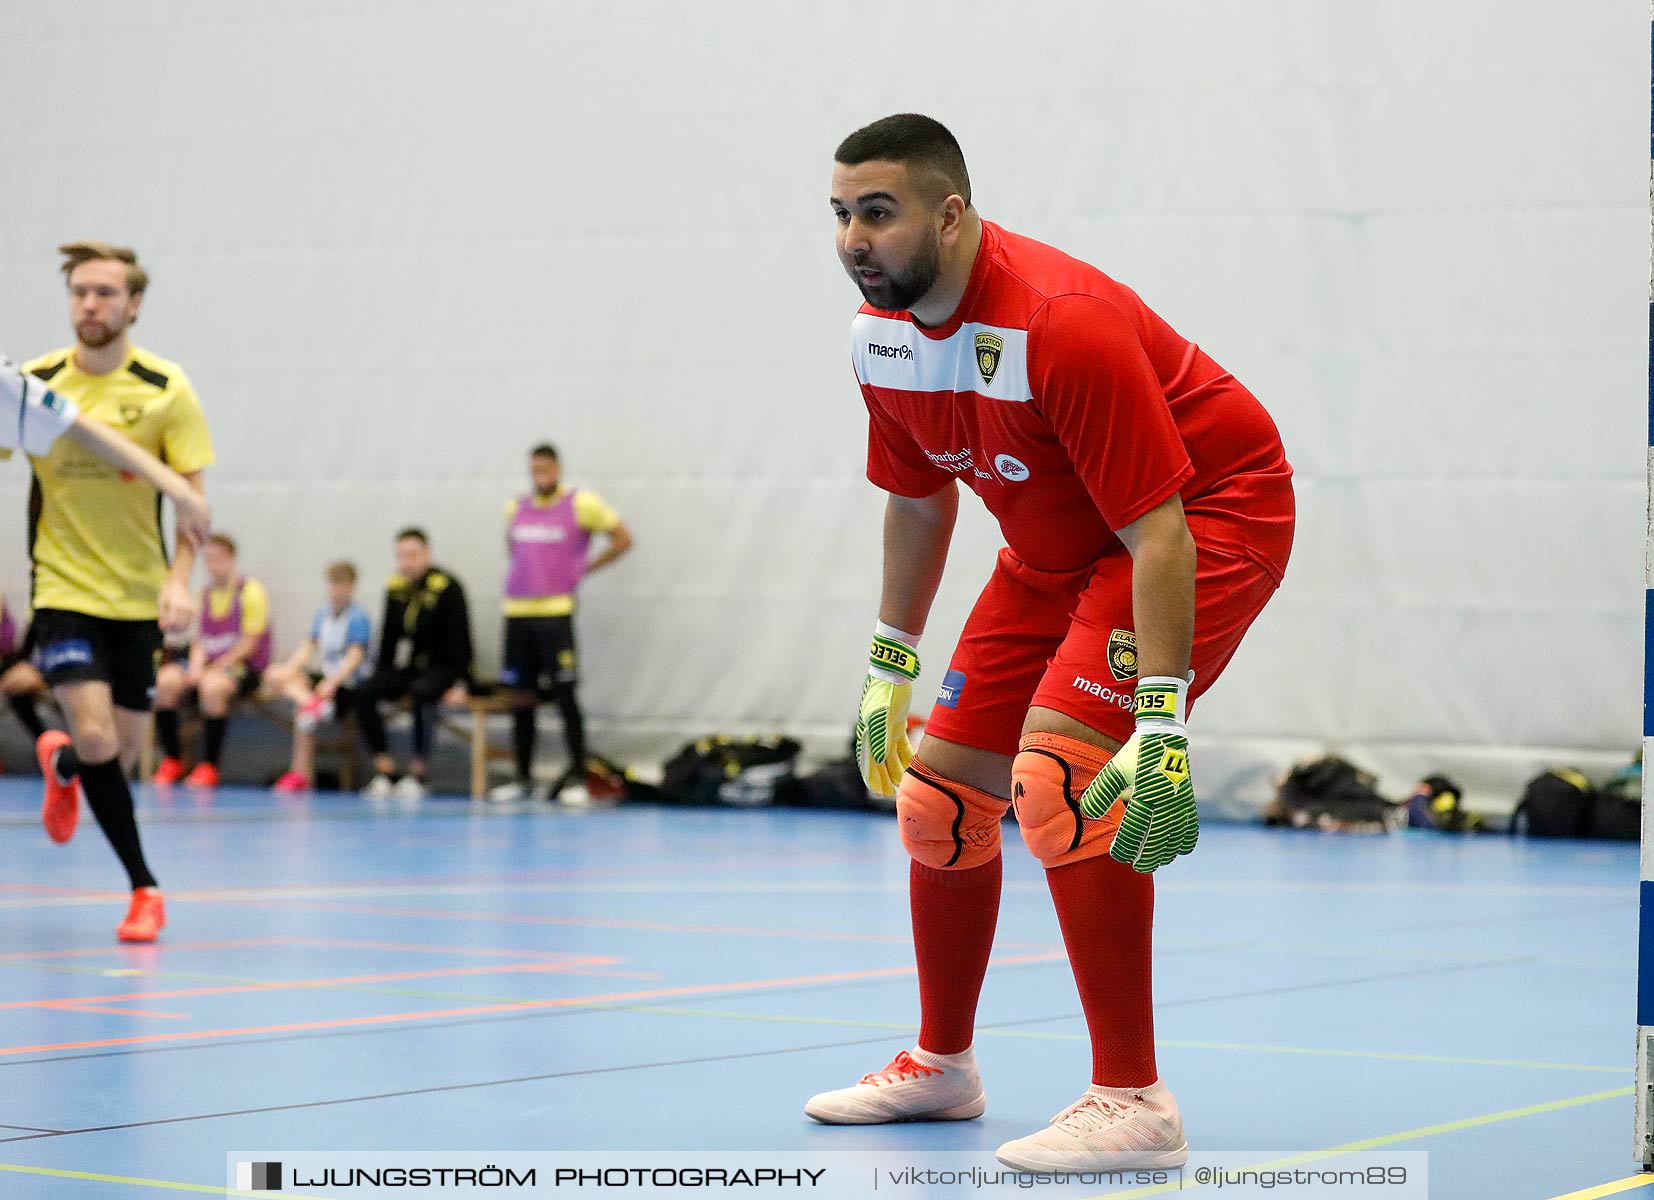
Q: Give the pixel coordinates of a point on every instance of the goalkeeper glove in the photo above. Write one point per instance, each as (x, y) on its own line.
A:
(1150, 776)
(882, 749)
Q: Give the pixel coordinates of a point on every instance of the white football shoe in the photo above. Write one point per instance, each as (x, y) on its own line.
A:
(1107, 1129)
(916, 1086)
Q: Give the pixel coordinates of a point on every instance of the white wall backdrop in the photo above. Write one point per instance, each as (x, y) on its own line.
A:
(394, 244)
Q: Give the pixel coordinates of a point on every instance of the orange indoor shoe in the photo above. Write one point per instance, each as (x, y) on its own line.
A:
(145, 918)
(205, 775)
(60, 812)
(169, 772)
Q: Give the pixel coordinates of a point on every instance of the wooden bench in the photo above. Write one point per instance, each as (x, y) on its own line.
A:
(341, 739)
(479, 708)
(468, 723)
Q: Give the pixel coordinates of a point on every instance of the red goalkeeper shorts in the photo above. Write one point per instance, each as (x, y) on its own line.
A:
(1065, 640)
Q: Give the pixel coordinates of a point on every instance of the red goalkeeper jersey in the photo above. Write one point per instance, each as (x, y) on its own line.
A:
(1071, 409)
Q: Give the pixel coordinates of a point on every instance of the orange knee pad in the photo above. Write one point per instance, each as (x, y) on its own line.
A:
(1047, 778)
(947, 824)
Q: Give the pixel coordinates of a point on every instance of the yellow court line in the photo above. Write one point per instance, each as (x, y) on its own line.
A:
(1609, 1189)
(171, 1185)
(1390, 1139)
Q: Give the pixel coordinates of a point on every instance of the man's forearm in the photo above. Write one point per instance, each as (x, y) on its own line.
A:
(238, 652)
(346, 668)
(1163, 601)
(123, 453)
(916, 538)
(620, 541)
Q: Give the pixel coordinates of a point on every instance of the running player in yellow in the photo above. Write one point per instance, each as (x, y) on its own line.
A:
(103, 588)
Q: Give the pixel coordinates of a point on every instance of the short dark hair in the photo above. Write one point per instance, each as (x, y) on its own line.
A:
(414, 532)
(75, 253)
(341, 572)
(914, 139)
(224, 540)
(544, 450)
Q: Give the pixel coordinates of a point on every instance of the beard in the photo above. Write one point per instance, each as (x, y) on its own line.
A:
(95, 335)
(900, 290)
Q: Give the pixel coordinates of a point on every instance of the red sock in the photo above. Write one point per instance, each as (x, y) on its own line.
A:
(1106, 911)
(954, 914)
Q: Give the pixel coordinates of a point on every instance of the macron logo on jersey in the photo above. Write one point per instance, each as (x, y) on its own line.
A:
(893, 354)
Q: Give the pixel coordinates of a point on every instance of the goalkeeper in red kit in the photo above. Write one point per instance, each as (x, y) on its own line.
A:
(1147, 509)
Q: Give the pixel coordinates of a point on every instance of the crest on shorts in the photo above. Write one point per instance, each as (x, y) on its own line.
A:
(988, 346)
(1122, 654)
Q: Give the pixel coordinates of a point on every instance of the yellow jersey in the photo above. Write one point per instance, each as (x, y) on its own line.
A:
(95, 532)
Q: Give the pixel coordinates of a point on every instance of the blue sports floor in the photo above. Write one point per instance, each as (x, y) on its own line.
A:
(342, 976)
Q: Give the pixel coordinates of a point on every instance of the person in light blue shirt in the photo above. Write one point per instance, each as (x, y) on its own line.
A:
(338, 642)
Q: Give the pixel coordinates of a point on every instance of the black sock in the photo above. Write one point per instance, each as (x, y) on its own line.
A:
(522, 740)
(110, 800)
(27, 713)
(66, 764)
(421, 730)
(166, 732)
(213, 739)
(574, 730)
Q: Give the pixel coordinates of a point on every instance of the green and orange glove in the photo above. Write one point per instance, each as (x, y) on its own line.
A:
(1150, 776)
(882, 749)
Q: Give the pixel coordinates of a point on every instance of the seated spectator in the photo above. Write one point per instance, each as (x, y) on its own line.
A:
(21, 682)
(226, 661)
(340, 633)
(424, 655)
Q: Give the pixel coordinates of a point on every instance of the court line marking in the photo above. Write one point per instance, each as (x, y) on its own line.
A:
(387, 1018)
(532, 1010)
(170, 1185)
(1310, 1156)
(522, 918)
(1391, 1139)
(1005, 1030)
(303, 984)
(1608, 1189)
(67, 1006)
(151, 952)
(447, 1087)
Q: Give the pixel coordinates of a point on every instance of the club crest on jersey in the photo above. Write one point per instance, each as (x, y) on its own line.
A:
(132, 413)
(988, 347)
(1122, 654)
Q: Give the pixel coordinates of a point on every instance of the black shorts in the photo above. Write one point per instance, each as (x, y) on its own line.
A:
(247, 680)
(539, 654)
(344, 699)
(75, 648)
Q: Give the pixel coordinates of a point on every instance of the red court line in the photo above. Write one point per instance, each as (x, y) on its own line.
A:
(517, 918)
(710, 866)
(278, 985)
(120, 1012)
(48, 889)
(94, 950)
(704, 989)
(433, 948)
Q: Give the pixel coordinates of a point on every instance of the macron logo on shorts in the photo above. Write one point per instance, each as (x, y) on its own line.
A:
(953, 685)
(76, 652)
(1103, 692)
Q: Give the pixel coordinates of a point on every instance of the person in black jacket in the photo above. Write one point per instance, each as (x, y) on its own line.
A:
(424, 654)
